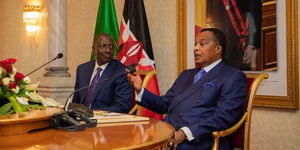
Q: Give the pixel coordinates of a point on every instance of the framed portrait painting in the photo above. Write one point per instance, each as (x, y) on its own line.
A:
(281, 89)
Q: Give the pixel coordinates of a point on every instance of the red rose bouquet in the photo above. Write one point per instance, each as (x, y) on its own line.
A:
(16, 93)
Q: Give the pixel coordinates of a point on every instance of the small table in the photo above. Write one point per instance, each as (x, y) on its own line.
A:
(152, 134)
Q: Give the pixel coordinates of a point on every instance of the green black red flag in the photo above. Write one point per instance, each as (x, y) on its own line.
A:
(135, 44)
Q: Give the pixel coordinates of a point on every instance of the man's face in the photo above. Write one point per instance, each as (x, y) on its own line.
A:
(103, 49)
(206, 50)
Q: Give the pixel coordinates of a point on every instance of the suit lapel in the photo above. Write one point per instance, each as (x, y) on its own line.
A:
(212, 74)
(87, 74)
(106, 74)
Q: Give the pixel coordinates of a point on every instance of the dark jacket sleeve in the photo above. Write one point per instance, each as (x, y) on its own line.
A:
(159, 104)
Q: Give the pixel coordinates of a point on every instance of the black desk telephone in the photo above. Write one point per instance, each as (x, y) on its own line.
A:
(75, 119)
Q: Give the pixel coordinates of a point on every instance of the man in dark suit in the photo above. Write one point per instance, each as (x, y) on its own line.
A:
(241, 22)
(201, 100)
(114, 94)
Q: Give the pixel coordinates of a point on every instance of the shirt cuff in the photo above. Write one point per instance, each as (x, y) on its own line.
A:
(252, 46)
(188, 133)
(138, 97)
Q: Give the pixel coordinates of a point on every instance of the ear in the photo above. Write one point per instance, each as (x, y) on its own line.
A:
(218, 49)
(93, 49)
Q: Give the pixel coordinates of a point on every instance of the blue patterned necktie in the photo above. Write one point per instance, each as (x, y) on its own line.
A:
(199, 75)
(88, 98)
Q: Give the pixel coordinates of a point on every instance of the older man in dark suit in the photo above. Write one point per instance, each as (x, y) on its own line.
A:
(201, 100)
(111, 95)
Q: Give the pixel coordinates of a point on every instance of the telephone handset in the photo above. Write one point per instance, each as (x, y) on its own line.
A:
(72, 121)
(64, 122)
(82, 117)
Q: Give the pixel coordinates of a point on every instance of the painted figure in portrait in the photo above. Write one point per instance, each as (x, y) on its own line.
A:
(241, 20)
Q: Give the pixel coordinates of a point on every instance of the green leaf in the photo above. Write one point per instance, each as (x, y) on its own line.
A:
(16, 105)
(22, 91)
(5, 109)
(10, 111)
(1, 94)
(22, 95)
(34, 106)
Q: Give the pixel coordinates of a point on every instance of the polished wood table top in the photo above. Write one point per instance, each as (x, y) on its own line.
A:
(152, 134)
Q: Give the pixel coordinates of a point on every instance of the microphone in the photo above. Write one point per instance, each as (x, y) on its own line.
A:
(58, 56)
(130, 69)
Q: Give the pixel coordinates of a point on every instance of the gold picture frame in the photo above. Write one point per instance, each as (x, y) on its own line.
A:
(290, 101)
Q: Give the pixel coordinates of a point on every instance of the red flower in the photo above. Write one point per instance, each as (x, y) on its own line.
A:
(8, 68)
(7, 63)
(11, 60)
(1, 83)
(12, 85)
(3, 62)
(19, 77)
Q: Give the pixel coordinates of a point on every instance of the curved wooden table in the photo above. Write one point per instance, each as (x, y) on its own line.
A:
(152, 134)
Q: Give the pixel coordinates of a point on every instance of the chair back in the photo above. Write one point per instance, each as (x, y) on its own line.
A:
(241, 130)
(146, 76)
(241, 137)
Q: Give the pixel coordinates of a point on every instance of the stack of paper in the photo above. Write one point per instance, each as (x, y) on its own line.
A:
(112, 117)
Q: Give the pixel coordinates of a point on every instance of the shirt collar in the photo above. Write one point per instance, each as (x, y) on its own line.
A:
(211, 66)
(102, 66)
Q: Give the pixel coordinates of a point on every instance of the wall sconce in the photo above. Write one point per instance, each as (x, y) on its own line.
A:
(32, 17)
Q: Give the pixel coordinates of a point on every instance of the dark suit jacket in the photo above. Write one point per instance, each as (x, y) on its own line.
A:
(215, 102)
(112, 95)
(219, 18)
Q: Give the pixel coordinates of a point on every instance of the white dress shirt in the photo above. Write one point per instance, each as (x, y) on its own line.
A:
(95, 70)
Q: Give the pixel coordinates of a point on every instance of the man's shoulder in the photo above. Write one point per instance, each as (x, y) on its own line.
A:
(117, 64)
(87, 63)
(188, 72)
(233, 71)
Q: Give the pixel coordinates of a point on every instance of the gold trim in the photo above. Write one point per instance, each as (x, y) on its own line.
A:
(136, 110)
(271, 69)
(32, 8)
(269, 27)
(258, 77)
(291, 100)
(271, 63)
(269, 3)
(182, 37)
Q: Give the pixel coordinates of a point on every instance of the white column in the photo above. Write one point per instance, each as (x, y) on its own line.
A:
(57, 82)
(57, 37)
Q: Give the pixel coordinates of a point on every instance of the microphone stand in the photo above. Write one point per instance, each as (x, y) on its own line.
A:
(59, 55)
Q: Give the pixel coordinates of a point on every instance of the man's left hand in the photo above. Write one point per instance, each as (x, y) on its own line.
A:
(249, 54)
(177, 139)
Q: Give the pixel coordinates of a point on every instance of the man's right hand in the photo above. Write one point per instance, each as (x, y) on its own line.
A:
(136, 81)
